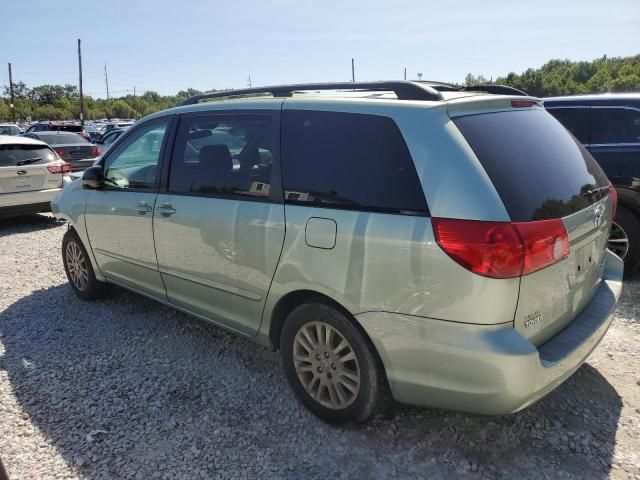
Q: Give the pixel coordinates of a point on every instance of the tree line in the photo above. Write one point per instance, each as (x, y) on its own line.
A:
(564, 77)
(556, 77)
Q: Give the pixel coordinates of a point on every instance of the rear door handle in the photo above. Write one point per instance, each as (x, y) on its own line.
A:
(166, 210)
(143, 208)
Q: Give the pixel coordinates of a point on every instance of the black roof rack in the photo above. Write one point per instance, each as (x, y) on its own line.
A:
(486, 87)
(404, 90)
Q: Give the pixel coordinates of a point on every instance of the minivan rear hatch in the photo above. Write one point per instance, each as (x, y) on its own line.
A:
(541, 172)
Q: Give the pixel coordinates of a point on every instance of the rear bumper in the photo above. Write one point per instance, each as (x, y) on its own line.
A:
(486, 369)
(82, 165)
(23, 203)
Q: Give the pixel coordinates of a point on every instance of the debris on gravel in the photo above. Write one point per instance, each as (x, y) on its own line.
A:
(128, 388)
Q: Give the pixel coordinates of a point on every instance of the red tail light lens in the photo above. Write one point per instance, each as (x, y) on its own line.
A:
(522, 103)
(614, 200)
(491, 249)
(545, 243)
(501, 249)
(61, 152)
(59, 168)
(95, 151)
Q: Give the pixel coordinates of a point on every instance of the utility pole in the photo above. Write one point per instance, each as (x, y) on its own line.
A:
(106, 80)
(13, 116)
(134, 90)
(353, 71)
(80, 75)
(405, 73)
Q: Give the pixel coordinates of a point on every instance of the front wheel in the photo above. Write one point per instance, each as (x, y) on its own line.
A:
(330, 365)
(79, 270)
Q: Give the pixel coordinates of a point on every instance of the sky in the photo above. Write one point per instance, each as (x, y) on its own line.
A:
(169, 45)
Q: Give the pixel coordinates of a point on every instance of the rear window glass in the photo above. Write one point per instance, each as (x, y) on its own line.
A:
(576, 120)
(615, 125)
(61, 138)
(348, 161)
(538, 169)
(69, 128)
(18, 155)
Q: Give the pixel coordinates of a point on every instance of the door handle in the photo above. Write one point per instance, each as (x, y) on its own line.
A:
(165, 210)
(143, 208)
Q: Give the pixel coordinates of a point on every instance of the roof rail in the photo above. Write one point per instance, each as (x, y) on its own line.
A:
(485, 87)
(404, 90)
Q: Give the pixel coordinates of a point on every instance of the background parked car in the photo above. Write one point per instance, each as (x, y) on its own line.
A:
(9, 129)
(30, 175)
(93, 132)
(59, 127)
(608, 126)
(110, 137)
(71, 148)
(112, 126)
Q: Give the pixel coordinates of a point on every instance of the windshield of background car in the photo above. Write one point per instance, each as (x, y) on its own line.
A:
(9, 130)
(539, 170)
(19, 155)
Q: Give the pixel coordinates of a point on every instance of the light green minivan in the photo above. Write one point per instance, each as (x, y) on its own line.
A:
(439, 245)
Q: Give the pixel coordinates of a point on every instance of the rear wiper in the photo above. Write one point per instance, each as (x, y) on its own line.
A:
(28, 161)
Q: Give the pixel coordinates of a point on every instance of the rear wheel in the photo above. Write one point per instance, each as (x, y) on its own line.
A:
(79, 270)
(330, 365)
(624, 239)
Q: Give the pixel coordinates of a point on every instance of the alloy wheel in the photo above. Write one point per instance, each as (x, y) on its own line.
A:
(618, 241)
(77, 266)
(326, 365)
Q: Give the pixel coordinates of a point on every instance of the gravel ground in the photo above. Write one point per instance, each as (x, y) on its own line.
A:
(126, 388)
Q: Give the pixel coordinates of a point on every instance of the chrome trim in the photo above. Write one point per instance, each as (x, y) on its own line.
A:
(597, 145)
(212, 284)
(556, 107)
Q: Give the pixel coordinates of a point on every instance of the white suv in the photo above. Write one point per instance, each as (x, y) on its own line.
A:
(31, 173)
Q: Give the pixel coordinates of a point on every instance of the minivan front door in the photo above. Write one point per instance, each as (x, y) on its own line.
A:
(119, 217)
(219, 229)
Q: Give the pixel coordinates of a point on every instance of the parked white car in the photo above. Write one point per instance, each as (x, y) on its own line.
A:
(31, 174)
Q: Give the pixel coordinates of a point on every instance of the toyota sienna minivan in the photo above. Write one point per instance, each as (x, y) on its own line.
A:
(443, 246)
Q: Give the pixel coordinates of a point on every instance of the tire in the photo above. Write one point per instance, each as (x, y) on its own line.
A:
(321, 382)
(626, 225)
(79, 270)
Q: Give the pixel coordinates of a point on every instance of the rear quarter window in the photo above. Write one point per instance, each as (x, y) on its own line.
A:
(539, 170)
(348, 161)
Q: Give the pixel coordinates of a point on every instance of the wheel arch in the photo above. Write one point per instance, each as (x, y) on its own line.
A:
(629, 198)
(293, 299)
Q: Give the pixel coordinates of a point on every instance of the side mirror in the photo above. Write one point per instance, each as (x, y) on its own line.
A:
(93, 177)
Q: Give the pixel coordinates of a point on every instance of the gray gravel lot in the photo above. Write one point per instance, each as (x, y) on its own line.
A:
(127, 388)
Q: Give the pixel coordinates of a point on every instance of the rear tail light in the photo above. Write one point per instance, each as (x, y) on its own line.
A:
(502, 249)
(61, 152)
(614, 200)
(95, 151)
(522, 103)
(59, 168)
